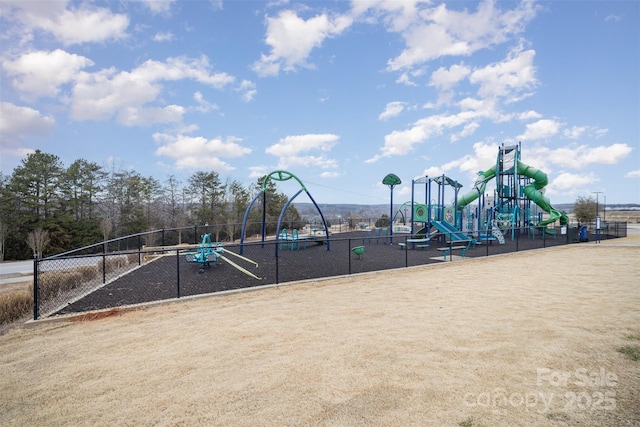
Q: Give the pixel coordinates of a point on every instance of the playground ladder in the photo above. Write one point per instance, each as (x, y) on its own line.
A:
(497, 233)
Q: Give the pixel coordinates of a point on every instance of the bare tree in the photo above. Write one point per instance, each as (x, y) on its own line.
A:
(105, 226)
(37, 240)
(584, 209)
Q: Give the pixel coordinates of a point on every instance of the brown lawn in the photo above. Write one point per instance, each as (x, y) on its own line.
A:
(530, 338)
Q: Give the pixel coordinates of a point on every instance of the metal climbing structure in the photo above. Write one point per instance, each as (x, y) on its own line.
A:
(279, 175)
(518, 200)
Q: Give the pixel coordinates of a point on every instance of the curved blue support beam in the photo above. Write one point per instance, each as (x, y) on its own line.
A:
(278, 176)
(286, 205)
(326, 228)
(244, 221)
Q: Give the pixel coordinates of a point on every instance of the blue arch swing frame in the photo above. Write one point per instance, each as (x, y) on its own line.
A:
(279, 175)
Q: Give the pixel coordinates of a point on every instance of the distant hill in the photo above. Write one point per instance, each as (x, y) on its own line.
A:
(337, 210)
(344, 211)
(568, 207)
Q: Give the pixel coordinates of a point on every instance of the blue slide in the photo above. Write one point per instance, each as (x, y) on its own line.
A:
(449, 230)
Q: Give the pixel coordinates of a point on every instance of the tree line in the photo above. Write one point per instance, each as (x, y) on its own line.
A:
(86, 203)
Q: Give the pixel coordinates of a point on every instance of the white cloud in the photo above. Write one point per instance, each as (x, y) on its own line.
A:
(468, 130)
(41, 73)
(203, 105)
(542, 129)
(17, 122)
(329, 174)
(571, 183)
(504, 81)
(576, 132)
(401, 142)
(101, 95)
(434, 171)
(292, 39)
(296, 144)
(608, 155)
(132, 97)
(198, 152)
(163, 37)
(291, 151)
(482, 158)
(306, 162)
(405, 80)
(514, 75)
(392, 110)
(529, 115)
(248, 90)
(68, 24)
(433, 32)
(577, 156)
(178, 68)
(145, 116)
(159, 6)
(633, 174)
(397, 15)
(258, 171)
(445, 79)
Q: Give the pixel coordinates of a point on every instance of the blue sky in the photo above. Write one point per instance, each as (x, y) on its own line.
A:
(338, 93)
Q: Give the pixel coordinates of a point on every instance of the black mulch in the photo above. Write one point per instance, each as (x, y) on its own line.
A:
(170, 276)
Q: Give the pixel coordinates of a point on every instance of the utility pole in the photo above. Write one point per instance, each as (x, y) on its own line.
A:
(597, 193)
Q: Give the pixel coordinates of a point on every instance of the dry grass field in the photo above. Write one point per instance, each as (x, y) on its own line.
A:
(544, 338)
(631, 217)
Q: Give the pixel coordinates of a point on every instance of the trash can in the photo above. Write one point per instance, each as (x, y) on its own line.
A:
(583, 234)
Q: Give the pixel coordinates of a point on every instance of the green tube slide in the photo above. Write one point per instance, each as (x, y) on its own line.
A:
(531, 191)
(479, 186)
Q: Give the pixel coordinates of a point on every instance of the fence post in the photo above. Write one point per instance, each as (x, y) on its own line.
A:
(35, 287)
(349, 254)
(104, 268)
(277, 265)
(104, 265)
(406, 251)
(162, 236)
(178, 271)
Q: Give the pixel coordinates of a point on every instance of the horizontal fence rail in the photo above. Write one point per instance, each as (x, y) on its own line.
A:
(132, 273)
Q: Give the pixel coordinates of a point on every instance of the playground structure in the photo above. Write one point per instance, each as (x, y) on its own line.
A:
(281, 175)
(209, 252)
(517, 204)
(519, 195)
(291, 240)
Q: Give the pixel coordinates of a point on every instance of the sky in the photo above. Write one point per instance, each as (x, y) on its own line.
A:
(338, 93)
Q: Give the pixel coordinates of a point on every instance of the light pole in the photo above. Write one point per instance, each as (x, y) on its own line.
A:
(597, 193)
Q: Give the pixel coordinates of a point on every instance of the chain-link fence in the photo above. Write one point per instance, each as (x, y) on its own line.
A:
(139, 273)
